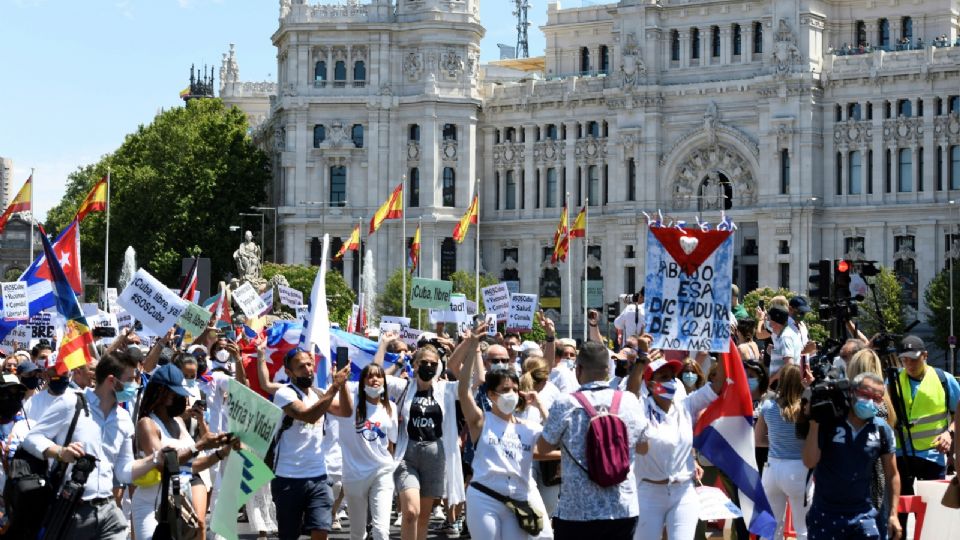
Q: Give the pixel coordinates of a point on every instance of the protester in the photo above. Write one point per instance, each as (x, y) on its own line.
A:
(630, 321)
(747, 347)
(10, 364)
(786, 341)
(692, 376)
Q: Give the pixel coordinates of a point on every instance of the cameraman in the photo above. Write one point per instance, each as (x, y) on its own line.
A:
(630, 320)
(842, 456)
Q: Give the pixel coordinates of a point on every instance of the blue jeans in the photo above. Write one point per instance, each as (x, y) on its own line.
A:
(303, 504)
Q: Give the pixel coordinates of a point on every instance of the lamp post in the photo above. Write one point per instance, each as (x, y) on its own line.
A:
(261, 230)
(235, 228)
(275, 225)
(952, 340)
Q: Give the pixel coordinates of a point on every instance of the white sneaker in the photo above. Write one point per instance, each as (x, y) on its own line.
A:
(397, 522)
(438, 513)
(336, 525)
(342, 514)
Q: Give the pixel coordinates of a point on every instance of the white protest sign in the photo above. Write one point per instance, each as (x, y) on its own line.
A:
(17, 338)
(151, 302)
(290, 296)
(496, 298)
(102, 320)
(124, 319)
(715, 505)
(410, 336)
(16, 304)
(302, 313)
(112, 299)
(491, 320)
(194, 319)
(393, 319)
(89, 308)
(389, 327)
(522, 308)
(267, 298)
(249, 301)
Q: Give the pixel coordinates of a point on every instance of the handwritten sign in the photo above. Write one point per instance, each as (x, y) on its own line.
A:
(46, 325)
(17, 338)
(302, 313)
(151, 302)
(520, 316)
(249, 301)
(194, 319)
(289, 296)
(112, 299)
(430, 293)
(491, 320)
(251, 418)
(124, 319)
(496, 298)
(689, 276)
(16, 304)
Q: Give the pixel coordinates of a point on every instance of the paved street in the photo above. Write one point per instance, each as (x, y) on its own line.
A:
(344, 534)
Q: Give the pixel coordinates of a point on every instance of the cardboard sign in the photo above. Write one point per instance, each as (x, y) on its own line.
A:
(194, 319)
(289, 296)
(689, 276)
(522, 309)
(151, 302)
(430, 293)
(16, 304)
(410, 336)
(496, 298)
(251, 418)
(249, 301)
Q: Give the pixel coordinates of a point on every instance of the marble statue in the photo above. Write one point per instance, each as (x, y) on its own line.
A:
(247, 257)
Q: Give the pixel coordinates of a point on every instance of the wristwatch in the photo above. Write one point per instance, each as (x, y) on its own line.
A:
(551, 339)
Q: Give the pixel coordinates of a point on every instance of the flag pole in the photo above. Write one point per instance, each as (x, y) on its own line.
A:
(476, 266)
(586, 243)
(569, 279)
(360, 268)
(420, 266)
(403, 250)
(32, 213)
(106, 250)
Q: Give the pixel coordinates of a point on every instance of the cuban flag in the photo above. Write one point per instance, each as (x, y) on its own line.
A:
(281, 337)
(724, 435)
(360, 350)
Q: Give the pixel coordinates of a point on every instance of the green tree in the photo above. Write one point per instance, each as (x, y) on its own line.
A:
(176, 185)
(390, 300)
(818, 332)
(937, 298)
(893, 308)
(340, 297)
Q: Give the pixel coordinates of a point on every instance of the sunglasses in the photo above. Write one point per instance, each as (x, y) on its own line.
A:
(866, 394)
(499, 360)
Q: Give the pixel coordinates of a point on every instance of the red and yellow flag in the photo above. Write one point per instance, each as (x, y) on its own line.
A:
(460, 231)
(96, 200)
(392, 209)
(560, 239)
(20, 203)
(352, 244)
(579, 229)
(415, 251)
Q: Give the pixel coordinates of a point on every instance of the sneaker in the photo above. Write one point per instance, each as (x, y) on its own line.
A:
(336, 525)
(342, 514)
(438, 513)
(397, 522)
(451, 530)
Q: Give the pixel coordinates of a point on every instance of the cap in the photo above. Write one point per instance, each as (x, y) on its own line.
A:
(567, 342)
(27, 367)
(170, 376)
(800, 304)
(778, 315)
(9, 379)
(912, 347)
(525, 347)
(656, 365)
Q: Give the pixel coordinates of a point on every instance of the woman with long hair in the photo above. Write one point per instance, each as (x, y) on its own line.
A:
(366, 443)
(746, 328)
(784, 476)
(692, 376)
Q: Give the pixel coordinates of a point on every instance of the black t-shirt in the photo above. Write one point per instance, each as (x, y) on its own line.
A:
(426, 418)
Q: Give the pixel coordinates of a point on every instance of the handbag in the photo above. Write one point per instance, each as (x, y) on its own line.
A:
(176, 518)
(951, 497)
(529, 519)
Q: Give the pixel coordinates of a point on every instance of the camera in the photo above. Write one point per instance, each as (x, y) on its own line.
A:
(828, 396)
(842, 310)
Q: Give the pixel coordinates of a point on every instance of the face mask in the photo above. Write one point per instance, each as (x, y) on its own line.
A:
(689, 379)
(507, 403)
(223, 356)
(571, 363)
(31, 382)
(666, 390)
(179, 405)
(303, 383)
(58, 386)
(426, 372)
(373, 391)
(190, 383)
(753, 383)
(128, 392)
(865, 409)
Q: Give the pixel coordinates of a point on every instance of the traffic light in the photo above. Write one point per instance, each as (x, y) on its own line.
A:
(612, 312)
(841, 279)
(820, 280)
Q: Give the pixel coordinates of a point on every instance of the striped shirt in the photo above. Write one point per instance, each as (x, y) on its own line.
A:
(784, 443)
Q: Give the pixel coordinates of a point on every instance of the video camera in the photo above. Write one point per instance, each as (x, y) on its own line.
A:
(828, 396)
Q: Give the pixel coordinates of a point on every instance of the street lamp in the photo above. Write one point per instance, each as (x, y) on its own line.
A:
(235, 228)
(261, 230)
(275, 225)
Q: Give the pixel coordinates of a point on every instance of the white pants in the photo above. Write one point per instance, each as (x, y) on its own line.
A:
(674, 506)
(783, 480)
(377, 492)
(490, 519)
(261, 513)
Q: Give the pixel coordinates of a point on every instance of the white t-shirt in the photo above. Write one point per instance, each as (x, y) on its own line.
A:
(564, 379)
(670, 436)
(504, 455)
(38, 404)
(216, 391)
(330, 448)
(630, 320)
(298, 452)
(786, 345)
(366, 449)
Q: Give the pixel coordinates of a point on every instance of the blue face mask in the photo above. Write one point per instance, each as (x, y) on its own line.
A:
(128, 393)
(666, 390)
(689, 379)
(190, 383)
(753, 383)
(865, 409)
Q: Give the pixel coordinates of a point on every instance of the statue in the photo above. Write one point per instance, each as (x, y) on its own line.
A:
(712, 192)
(247, 257)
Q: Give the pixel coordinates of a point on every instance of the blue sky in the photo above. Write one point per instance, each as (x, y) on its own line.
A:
(80, 75)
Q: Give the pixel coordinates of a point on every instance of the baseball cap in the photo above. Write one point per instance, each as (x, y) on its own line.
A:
(800, 304)
(652, 367)
(778, 315)
(27, 367)
(170, 376)
(912, 347)
(526, 347)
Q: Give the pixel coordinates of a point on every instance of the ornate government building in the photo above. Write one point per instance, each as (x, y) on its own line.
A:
(824, 129)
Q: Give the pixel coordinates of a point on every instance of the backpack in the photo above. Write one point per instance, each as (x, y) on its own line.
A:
(270, 458)
(608, 443)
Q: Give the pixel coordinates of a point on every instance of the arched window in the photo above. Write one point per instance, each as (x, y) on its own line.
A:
(340, 71)
(715, 193)
(356, 134)
(757, 38)
(695, 43)
(631, 180)
(511, 187)
(861, 34)
(359, 71)
(883, 28)
(414, 181)
(905, 164)
(855, 181)
(448, 258)
(338, 185)
(593, 185)
(320, 71)
(604, 59)
(319, 135)
(853, 111)
(906, 28)
(449, 187)
(675, 46)
(552, 186)
(449, 132)
(509, 134)
(552, 132)
(715, 41)
(584, 60)
(593, 130)
(737, 40)
(904, 108)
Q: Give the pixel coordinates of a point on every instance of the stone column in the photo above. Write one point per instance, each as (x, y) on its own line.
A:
(945, 166)
(684, 48)
(570, 164)
(878, 153)
(529, 176)
(542, 182)
(725, 45)
(489, 201)
(431, 187)
(844, 171)
(894, 171)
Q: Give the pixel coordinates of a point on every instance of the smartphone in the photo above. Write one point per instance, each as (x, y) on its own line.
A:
(104, 332)
(803, 364)
(760, 304)
(343, 359)
(202, 403)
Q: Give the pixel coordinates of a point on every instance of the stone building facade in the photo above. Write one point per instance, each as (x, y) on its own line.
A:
(6, 181)
(823, 131)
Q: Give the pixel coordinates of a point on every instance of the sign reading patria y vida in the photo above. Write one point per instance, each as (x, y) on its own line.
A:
(688, 283)
(430, 293)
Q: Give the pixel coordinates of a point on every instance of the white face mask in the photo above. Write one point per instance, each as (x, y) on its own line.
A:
(507, 403)
(223, 356)
(373, 391)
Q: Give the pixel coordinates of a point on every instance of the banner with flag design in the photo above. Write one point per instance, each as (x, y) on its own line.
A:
(579, 228)
(352, 244)
(74, 349)
(561, 241)
(20, 203)
(460, 231)
(391, 209)
(415, 251)
(96, 200)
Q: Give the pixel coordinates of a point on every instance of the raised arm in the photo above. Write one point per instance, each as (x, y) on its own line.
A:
(310, 415)
(811, 446)
(343, 405)
(263, 373)
(241, 373)
(471, 411)
(593, 327)
(550, 347)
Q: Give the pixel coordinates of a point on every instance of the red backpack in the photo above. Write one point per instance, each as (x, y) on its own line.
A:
(608, 444)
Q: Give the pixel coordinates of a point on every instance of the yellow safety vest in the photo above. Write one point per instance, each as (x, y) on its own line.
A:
(927, 411)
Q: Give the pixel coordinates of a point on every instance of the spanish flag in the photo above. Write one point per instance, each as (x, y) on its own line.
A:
(352, 244)
(96, 200)
(20, 203)
(460, 231)
(392, 209)
(560, 239)
(74, 350)
(579, 229)
(415, 251)
(185, 92)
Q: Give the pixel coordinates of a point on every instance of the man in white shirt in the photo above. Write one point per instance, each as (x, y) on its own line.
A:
(787, 346)
(630, 320)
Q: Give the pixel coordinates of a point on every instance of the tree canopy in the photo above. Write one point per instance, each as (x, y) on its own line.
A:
(177, 185)
(340, 297)
(937, 298)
